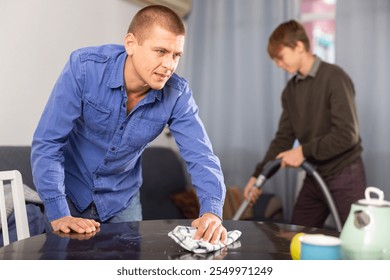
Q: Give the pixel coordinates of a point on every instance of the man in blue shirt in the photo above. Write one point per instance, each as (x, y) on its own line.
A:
(107, 105)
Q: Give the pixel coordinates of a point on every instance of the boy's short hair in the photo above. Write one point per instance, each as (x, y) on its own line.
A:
(150, 16)
(287, 34)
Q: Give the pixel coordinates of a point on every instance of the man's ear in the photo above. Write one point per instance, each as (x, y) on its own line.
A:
(300, 46)
(130, 42)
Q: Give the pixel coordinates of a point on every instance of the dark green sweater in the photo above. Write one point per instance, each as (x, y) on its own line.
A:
(319, 110)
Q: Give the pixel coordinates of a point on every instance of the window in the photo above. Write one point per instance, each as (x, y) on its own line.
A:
(318, 18)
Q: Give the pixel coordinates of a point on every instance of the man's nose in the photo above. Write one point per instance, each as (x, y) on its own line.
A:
(168, 62)
(279, 63)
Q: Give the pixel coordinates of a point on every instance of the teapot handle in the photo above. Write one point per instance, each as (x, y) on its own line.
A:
(378, 192)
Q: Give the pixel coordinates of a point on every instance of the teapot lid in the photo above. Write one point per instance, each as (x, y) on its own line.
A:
(374, 201)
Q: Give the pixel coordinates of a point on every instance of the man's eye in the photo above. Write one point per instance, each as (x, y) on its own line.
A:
(160, 51)
(278, 58)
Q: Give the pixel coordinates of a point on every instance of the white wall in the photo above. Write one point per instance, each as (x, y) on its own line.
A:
(36, 38)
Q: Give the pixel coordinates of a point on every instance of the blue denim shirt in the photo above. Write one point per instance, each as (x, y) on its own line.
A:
(87, 147)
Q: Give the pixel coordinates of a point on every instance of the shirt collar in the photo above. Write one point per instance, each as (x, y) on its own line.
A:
(313, 70)
(153, 95)
(117, 75)
(117, 78)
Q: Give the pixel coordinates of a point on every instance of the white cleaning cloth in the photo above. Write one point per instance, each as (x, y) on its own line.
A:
(183, 236)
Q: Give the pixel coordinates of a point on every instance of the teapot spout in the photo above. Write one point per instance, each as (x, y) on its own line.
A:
(361, 219)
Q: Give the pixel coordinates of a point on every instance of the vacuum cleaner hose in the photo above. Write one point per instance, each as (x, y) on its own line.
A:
(272, 167)
(333, 210)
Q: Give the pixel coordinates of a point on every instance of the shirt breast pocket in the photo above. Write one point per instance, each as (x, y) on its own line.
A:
(145, 131)
(96, 117)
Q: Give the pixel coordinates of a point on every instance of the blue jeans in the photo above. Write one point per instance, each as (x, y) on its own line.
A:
(131, 214)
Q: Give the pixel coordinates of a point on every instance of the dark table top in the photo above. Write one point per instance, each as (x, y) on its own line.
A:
(148, 240)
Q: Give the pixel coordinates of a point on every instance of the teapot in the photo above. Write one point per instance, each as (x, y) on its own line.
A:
(366, 233)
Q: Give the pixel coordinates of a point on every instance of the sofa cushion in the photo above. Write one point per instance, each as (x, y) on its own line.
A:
(188, 203)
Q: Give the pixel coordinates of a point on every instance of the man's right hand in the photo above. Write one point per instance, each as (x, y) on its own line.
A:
(68, 223)
(250, 186)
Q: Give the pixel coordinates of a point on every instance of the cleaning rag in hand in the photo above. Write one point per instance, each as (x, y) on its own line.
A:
(183, 236)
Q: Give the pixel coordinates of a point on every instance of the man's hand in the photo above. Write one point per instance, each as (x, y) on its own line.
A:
(251, 188)
(68, 223)
(210, 229)
(291, 158)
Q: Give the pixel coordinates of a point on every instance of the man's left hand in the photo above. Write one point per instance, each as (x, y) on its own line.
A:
(210, 229)
(291, 158)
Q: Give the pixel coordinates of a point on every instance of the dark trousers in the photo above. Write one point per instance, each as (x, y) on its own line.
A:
(345, 187)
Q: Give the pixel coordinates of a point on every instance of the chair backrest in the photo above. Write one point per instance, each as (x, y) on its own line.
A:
(19, 205)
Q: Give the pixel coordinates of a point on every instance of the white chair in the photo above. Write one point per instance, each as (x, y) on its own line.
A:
(19, 205)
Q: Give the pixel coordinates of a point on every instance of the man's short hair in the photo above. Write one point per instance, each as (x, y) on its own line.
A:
(148, 17)
(287, 34)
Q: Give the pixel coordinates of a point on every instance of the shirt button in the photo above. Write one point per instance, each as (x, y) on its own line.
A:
(124, 105)
(113, 149)
(121, 128)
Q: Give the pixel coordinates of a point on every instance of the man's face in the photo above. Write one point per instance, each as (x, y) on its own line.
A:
(289, 59)
(156, 58)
